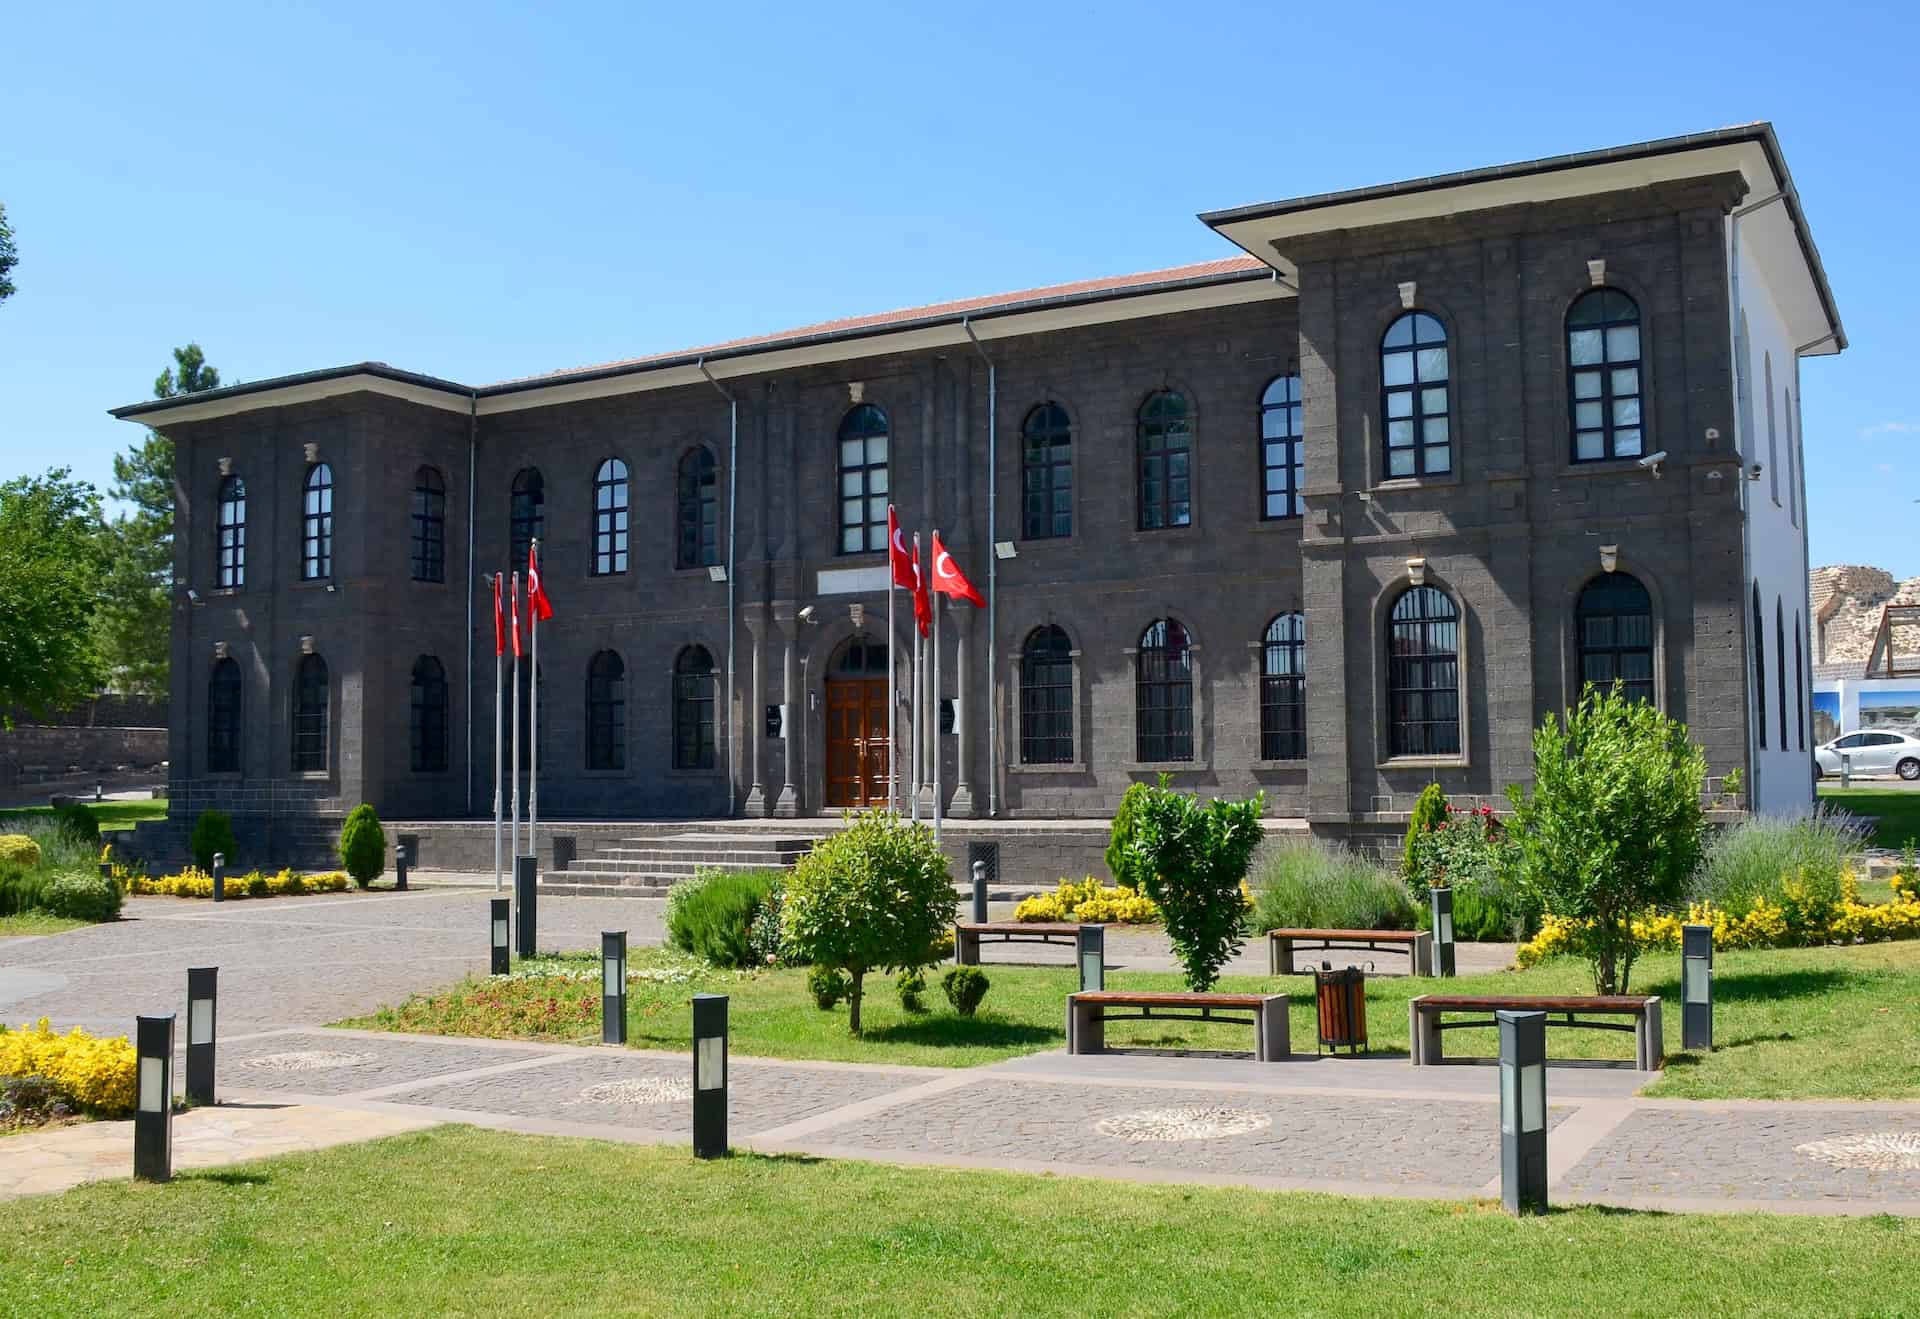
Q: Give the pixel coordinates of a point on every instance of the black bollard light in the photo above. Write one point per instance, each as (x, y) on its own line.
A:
(106, 870)
(613, 987)
(709, 1075)
(526, 923)
(500, 964)
(219, 876)
(203, 999)
(400, 860)
(1523, 1111)
(153, 1110)
(1091, 944)
(1441, 902)
(1696, 987)
(980, 892)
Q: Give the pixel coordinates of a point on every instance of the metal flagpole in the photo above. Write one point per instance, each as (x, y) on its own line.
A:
(893, 694)
(934, 600)
(499, 712)
(913, 784)
(533, 706)
(513, 771)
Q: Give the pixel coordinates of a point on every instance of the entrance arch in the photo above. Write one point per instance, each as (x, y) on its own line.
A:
(857, 751)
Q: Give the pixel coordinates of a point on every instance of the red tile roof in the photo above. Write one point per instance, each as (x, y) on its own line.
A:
(910, 315)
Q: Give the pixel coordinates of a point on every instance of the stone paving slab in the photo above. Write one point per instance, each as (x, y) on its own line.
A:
(1748, 1154)
(343, 1063)
(1346, 1139)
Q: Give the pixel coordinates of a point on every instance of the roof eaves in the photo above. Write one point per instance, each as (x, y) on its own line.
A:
(152, 407)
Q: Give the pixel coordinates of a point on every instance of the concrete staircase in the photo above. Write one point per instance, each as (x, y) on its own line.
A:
(650, 865)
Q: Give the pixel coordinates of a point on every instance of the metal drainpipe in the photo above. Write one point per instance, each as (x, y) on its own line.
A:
(473, 449)
(733, 522)
(993, 574)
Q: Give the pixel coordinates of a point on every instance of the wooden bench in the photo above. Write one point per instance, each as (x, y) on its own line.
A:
(1282, 944)
(968, 936)
(1424, 1022)
(1089, 1011)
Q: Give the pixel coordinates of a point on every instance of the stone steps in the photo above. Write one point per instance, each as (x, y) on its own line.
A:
(656, 862)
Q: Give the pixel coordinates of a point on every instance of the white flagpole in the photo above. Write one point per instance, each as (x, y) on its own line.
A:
(913, 784)
(513, 621)
(499, 766)
(934, 599)
(893, 695)
(533, 713)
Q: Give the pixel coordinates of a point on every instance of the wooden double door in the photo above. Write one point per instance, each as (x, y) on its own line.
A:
(857, 751)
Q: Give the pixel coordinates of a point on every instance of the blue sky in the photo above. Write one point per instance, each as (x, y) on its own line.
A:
(483, 191)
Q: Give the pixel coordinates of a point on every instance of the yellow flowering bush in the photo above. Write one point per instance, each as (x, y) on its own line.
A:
(19, 850)
(1088, 902)
(95, 1073)
(192, 883)
(1768, 925)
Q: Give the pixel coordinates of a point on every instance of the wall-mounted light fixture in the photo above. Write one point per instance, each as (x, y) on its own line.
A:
(1005, 549)
(716, 572)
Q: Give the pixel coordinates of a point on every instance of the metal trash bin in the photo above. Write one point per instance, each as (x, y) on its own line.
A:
(1341, 998)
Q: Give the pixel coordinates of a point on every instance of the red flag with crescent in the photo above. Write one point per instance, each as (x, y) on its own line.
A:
(922, 602)
(906, 573)
(947, 577)
(499, 617)
(539, 608)
(513, 613)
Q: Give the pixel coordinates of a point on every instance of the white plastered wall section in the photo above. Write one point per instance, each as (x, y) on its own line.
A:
(1776, 544)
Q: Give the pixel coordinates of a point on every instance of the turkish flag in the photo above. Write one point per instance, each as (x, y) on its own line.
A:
(947, 577)
(538, 606)
(513, 612)
(906, 572)
(922, 602)
(499, 619)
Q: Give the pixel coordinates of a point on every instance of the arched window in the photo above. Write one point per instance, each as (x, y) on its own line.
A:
(610, 518)
(429, 526)
(1603, 374)
(1780, 663)
(1787, 419)
(698, 510)
(1800, 679)
(1759, 669)
(606, 712)
(863, 480)
(223, 718)
(693, 707)
(1743, 386)
(230, 569)
(1281, 464)
(1773, 437)
(427, 726)
(310, 716)
(1163, 693)
(1613, 622)
(1046, 698)
(1165, 462)
(527, 512)
(1283, 689)
(1423, 674)
(316, 524)
(1046, 455)
(1413, 396)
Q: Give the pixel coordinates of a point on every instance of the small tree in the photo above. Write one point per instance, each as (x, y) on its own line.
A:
(1429, 812)
(874, 897)
(1192, 858)
(1119, 865)
(1613, 826)
(213, 832)
(363, 846)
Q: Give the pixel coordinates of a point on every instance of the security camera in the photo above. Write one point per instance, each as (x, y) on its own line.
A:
(1652, 462)
(806, 614)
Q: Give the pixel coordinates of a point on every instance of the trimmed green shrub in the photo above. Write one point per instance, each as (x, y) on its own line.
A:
(1192, 858)
(22, 891)
(828, 985)
(19, 851)
(714, 917)
(912, 984)
(1312, 884)
(1120, 840)
(1428, 812)
(964, 987)
(363, 845)
(79, 824)
(213, 832)
(80, 896)
(875, 896)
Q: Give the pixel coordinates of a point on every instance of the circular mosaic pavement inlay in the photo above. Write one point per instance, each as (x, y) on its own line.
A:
(640, 1090)
(308, 1060)
(1880, 1151)
(1187, 1122)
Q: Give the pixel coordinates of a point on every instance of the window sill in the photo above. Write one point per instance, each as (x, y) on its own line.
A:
(1392, 483)
(1268, 526)
(1299, 763)
(1140, 534)
(1071, 767)
(221, 592)
(1423, 762)
(1603, 467)
(1164, 766)
(315, 584)
(311, 775)
(715, 775)
(605, 773)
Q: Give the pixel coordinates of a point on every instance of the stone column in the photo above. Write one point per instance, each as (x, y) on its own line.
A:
(965, 685)
(756, 625)
(788, 803)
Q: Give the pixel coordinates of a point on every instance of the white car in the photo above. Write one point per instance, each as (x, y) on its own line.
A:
(1871, 753)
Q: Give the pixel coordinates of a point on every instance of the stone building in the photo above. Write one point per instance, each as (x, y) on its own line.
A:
(1332, 518)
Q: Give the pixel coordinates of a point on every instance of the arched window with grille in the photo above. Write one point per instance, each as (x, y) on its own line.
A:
(1415, 376)
(694, 702)
(610, 518)
(1046, 465)
(1800, 680)
(1423, 674)
(1759, 643)
(863, 480)
(1283, 689)
(1780, 663)
(230, 562)
(697, 510)
(527, 512)
(1046, 698)
(1281, 463)
(316, 524)
(429, 525)
(311, 716)
(1165, 461)
(606, 711)
(1613, 626)
(1604, 376)
(1163, 693)
(427, 720)
(224, 722)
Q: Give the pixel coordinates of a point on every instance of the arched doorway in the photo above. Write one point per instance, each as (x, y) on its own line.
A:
(857, 759)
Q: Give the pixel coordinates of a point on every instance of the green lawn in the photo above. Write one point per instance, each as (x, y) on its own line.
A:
(1804, 1023)
(111, 815)
(35, 922)
(542, 1226)
(1894, 813)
